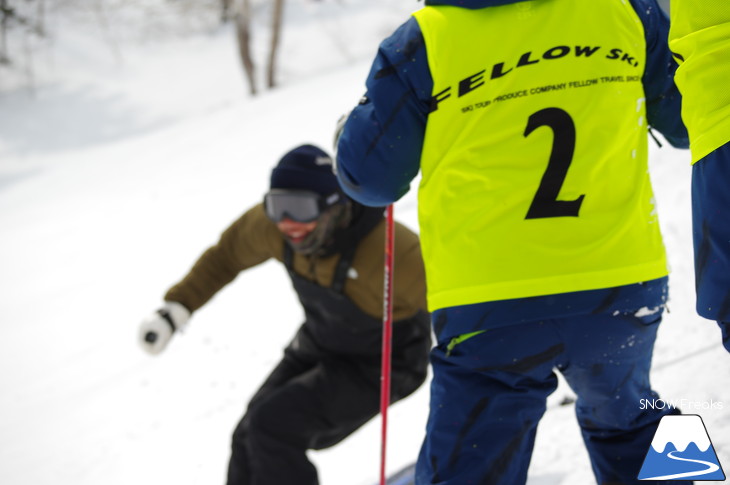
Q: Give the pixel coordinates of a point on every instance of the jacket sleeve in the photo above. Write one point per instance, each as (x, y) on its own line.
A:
(379, 150)
(663, 100)
(250, 240)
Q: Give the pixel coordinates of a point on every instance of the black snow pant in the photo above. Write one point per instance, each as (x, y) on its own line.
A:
(326, 386)
(306, 404)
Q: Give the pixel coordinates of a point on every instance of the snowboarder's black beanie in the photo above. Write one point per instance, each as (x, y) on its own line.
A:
(305, 168)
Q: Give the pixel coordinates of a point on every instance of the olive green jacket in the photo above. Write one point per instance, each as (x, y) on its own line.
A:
(254, 239)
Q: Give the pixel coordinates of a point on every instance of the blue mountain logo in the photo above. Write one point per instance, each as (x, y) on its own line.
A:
(681, 450)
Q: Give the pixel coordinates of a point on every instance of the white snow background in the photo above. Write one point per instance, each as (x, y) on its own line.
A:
(122, 157)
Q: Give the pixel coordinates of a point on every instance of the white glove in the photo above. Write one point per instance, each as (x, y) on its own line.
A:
(156, 330)
(339, 127)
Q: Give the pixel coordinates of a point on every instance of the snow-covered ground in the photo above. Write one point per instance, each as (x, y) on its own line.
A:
(124, 161)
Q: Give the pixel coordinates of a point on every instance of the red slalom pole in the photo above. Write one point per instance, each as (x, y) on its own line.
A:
(387, 336)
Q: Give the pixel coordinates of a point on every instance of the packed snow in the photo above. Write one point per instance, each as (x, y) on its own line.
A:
(122, 158)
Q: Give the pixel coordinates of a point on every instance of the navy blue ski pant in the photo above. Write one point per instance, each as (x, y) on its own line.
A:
(489, 392)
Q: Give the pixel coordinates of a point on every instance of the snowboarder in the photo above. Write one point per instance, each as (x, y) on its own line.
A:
(528, 122)
(700, 39)
(328, 382)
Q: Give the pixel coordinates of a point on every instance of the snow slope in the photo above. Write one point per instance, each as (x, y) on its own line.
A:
(121, 166)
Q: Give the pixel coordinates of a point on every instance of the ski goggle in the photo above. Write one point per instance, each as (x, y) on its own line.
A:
(297, 205)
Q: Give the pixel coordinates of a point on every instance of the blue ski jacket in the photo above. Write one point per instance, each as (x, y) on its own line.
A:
(379, 152)
(376, 161)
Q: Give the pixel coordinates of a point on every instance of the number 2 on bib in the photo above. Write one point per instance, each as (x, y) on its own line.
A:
(545, 203)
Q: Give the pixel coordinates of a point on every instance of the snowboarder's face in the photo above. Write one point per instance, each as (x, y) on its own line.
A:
(295, 231)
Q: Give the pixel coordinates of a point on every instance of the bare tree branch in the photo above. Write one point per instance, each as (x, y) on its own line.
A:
(276, 21)
(5, 12)
(243, 34)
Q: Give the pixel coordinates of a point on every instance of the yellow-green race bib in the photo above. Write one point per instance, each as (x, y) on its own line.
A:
(534, 168)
